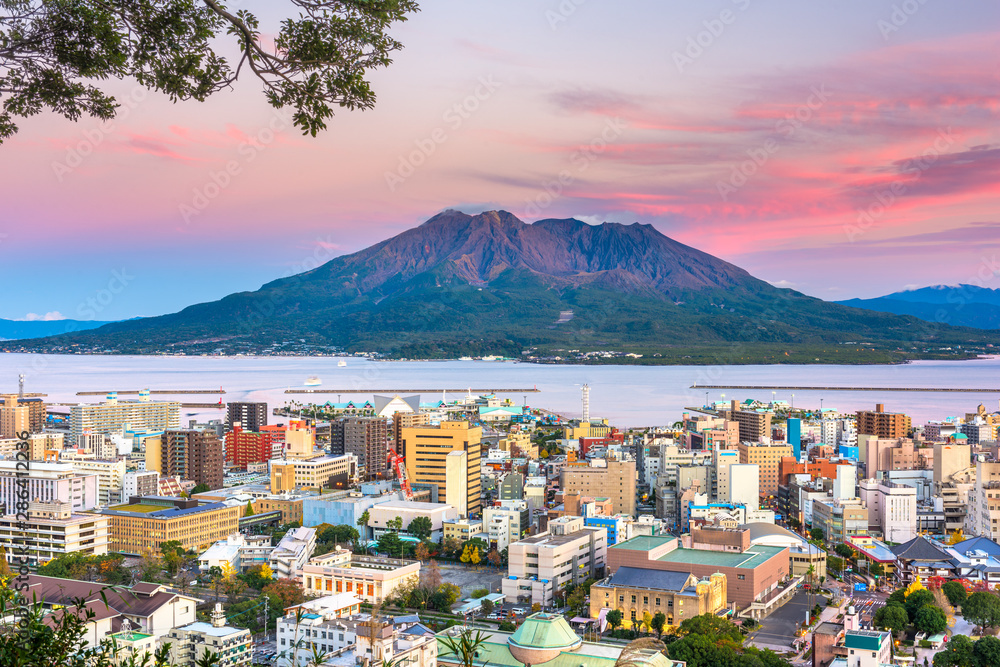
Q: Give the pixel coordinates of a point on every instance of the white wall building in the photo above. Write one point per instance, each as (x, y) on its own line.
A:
(891, 507)
(46, 482)
(503, 524)
(189, 643)
(744, 485)
(293, 552)
(406, 510)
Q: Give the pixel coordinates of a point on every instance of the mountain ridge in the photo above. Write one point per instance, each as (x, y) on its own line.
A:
(461, 284)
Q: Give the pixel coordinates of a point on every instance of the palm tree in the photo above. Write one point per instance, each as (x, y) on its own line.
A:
(465, 646)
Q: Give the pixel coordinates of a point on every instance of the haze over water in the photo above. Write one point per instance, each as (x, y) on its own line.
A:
(627, 395)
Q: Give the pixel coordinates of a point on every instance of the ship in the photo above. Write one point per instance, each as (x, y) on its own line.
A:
(313, 381)
(341, 363)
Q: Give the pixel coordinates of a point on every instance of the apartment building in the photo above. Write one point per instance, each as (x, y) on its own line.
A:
(603, 478)
(885, 425)
(194, 454)
(250, 415)
(754, 425)
(245, 447)
(364, 437)
(329, 632)
(983, 516)
(145, 522)
(768, 458)
(47, 482)
(190, 643)
(541, 565)
(140, 483)
(41, 446)
(426, 452)
(371, 578)
(506, 522)
(14, 417)
(113, 415)
(462, 530)
(52, 530)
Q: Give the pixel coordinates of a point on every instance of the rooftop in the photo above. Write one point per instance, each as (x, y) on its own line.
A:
(212, 631)
(749, 559)
(866, 640)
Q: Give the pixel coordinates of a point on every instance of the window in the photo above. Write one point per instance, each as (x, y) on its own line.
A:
(741, 576)
(633, 599)
(657, 602)
(645, 599)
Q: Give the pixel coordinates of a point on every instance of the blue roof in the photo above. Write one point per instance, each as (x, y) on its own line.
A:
(978, 544)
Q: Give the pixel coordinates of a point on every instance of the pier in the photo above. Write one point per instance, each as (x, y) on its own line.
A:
(220, 390)
(956, 390)
(533, 390)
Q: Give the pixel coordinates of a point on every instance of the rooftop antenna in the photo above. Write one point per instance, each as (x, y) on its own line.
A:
(586, 402)
(20, 385)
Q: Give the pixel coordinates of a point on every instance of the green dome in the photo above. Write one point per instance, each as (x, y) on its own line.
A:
(541, 638)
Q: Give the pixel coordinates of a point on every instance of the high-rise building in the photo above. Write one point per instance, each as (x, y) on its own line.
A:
(110, 473)
(245, 447)
(794, 436)
(610, 479)
(768, 457)
(113, 415)
(885, 425)
(14, 417)
(252, 416)
(427, 449)
(366, 438)
(755, 426)
(188, 454)
(402, 420)
(140, 483)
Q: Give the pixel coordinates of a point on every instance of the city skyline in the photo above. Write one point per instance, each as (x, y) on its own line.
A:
(545, 110)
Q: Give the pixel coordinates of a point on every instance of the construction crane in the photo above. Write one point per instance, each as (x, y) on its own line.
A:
(396, 461)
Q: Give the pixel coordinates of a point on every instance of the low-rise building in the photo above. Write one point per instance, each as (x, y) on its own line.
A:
(239, 551)
(506, 522)
(52, 530)
(370, 578)
(326, 630)
(381, 514)
(147, 521)
(543, 564)
(189, 643)
(462, 530)
(293, 552)
(678, 595)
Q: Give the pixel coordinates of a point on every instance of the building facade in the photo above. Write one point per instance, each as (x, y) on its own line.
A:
(426, 448)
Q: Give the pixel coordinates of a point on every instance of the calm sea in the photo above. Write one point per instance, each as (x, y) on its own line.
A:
(627, 395)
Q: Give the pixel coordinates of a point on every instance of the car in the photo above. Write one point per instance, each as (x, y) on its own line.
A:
(520, 611)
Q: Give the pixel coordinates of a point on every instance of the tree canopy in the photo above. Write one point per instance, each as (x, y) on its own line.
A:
(56, 55)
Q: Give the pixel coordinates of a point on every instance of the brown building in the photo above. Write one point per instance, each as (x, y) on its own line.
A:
(366, 438)
(754, 426)
(615, 481)
(147, 521)
(886, 425)
(894, 454)
(192, 454)
(768, 458)
(402, 420)
(750, 575)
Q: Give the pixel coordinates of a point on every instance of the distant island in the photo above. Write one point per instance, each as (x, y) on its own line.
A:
(555, 291)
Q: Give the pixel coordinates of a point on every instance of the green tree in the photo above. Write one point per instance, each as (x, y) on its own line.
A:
(710, 625)
(844, 551)
(955, 592)
(390, 544)
(835, 564)
(982, 608)
(659, 621)
(614, 619)
(249, 511)
(930, 619)
(487, 606)
(892, 617)
(200, 488)
(364, 519)
(465, 646)
(916, 600)
(816, 534)
(420, 527)
(986, 651)
(55, 55)
(958, 652)
(898, 596)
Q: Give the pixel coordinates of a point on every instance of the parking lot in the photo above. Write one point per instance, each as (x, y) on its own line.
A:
(469, 579)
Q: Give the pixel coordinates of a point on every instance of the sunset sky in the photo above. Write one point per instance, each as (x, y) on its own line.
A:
(761, 145)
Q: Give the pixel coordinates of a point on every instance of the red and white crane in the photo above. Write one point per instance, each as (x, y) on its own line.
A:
(397, 462)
